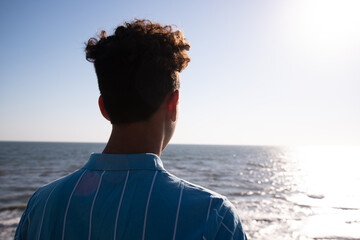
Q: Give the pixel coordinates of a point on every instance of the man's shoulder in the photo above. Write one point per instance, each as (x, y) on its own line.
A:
(195, 196)
(62, 184)
(192, 188)
(221, 218)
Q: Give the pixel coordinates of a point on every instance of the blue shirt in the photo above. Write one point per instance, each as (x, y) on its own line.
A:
(127, 196)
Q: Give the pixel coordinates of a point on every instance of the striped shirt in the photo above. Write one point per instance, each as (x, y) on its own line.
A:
(127, 196)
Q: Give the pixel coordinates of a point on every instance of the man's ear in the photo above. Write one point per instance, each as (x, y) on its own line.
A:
(172, 104)
(102, 108)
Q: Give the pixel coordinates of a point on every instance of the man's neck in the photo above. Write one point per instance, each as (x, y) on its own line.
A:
(138, 137)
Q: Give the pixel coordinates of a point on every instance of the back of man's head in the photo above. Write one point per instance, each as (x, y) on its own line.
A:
(136, 67)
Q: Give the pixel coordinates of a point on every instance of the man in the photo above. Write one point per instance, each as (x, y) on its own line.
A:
(125, 192)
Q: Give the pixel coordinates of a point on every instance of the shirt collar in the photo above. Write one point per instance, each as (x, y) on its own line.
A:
(121, 162)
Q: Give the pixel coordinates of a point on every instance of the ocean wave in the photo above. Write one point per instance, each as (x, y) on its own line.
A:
(14, 207)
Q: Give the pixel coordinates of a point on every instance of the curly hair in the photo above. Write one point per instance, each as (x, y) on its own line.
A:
(136, 67)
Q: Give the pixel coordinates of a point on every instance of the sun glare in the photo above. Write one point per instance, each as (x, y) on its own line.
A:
(330, 171)
(329, 183)
(330, 27)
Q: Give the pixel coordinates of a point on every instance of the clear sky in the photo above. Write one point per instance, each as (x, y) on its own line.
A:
(261, 72)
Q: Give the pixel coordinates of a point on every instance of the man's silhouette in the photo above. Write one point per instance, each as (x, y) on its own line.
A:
(125, 192)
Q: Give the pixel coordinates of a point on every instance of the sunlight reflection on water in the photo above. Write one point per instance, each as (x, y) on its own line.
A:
(328, 182)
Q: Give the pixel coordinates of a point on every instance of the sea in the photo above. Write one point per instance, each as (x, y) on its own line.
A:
(310, 192)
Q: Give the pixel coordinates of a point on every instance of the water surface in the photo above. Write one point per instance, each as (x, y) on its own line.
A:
(280, 192)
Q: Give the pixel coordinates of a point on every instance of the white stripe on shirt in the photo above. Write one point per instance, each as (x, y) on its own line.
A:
(208, 213)
(217, 213)
(67, 207)
(42, 218)
(121, 198)
(222, 223)
(92, 205)
(147, 204)
(232, 233)
(178, 209)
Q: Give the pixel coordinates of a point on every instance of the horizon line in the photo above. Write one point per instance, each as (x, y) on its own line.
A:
(199, 144)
